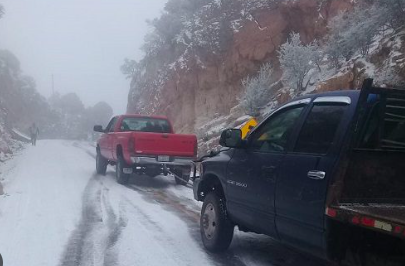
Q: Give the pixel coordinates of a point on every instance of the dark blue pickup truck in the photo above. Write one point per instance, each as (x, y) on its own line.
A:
(324, 173)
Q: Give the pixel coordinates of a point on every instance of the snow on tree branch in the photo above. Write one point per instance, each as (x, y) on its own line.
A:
(256, 90)
(297, 60)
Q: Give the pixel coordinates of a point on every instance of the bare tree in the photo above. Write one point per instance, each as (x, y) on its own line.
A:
(256, 90)
(297, 61)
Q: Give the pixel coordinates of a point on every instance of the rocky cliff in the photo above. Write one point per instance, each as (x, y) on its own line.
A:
(201, 94)
(195, 95)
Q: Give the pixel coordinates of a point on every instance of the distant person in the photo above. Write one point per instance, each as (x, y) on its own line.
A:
(34, 132)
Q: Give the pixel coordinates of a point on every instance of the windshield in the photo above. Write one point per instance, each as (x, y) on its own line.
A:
(145, 125)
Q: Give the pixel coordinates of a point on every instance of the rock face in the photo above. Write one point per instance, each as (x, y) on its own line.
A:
(193, 97)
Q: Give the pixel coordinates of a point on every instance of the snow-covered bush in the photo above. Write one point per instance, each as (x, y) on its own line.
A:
(354, 31)
(297, 60)
(256, 90)
(392, 12)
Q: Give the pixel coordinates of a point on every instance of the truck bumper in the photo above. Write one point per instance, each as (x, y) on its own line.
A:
(152, 166)
(137, 160)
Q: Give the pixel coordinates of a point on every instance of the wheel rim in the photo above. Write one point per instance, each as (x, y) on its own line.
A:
(209, 221)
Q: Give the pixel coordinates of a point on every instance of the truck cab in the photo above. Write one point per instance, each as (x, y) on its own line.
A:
(281, 178)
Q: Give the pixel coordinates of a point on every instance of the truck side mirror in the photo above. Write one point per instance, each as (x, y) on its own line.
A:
(231, 138)
(98, 128)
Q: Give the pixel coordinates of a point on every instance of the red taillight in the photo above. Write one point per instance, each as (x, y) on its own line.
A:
(367, 221)
(398, 229)
(356, 220)
(331, 212)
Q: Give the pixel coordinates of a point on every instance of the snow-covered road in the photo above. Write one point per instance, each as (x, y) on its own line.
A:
(57, 211)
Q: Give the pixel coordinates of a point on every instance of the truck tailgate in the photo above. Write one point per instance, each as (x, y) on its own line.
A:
(388, 219)
(393, 213)
(165, 144)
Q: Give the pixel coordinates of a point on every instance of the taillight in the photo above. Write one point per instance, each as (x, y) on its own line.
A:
(356, 220)
(331, 212)
(398, 229)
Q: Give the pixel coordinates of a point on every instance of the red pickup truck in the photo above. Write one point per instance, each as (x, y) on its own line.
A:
(138, 144)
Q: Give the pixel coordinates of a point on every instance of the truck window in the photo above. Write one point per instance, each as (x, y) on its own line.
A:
(319, 129)
(111, 125)
(384, 126)
(145, 124)
(273, 135)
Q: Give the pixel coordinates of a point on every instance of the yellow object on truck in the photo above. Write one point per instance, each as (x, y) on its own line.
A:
(248, 126)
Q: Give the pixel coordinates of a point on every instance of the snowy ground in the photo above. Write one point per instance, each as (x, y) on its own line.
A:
(57, 211)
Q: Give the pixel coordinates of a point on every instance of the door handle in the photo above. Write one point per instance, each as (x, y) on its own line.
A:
(316, 175)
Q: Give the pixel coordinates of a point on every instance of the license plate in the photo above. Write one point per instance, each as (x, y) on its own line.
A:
(163, 158)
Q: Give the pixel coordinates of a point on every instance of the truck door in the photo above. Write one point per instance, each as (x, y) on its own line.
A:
(304, 173)
(252, 172)
(106, 139)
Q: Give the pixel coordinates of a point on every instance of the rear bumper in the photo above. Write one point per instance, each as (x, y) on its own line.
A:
(174, 161)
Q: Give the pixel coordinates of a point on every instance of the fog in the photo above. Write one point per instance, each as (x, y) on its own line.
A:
(81, 42)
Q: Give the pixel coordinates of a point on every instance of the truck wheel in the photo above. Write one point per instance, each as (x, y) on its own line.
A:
(101, 164)
(180, 178)
(215, 227)
(122, 178)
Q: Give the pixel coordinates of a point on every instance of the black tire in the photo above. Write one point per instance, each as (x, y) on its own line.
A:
(122, 178)
(101, 164)
(216, 232)
(180, 178)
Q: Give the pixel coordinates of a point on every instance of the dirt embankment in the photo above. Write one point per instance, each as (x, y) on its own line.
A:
(196, 96)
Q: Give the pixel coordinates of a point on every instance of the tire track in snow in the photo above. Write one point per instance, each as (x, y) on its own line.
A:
(115, 228)
(248, 249)
(93, 240)
(191, 217)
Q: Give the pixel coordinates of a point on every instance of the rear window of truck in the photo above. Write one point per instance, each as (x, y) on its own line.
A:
(384, 126)
(145, 124)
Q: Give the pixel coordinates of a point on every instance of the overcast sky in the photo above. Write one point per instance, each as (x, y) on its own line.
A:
(82, 42)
